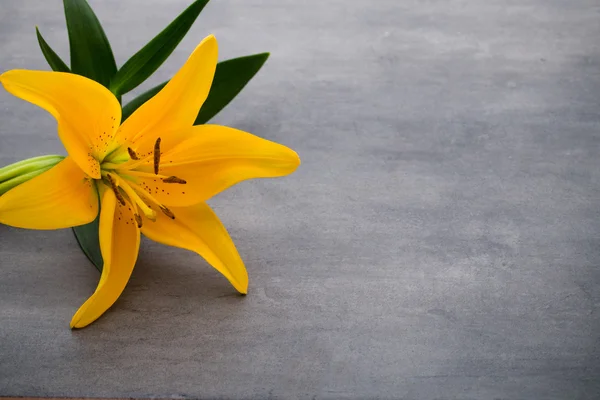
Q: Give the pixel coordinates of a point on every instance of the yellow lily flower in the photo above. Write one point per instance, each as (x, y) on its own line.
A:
(152, 174)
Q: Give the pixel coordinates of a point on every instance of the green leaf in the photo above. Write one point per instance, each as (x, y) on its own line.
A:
(91, 55)
(89, 241)
(230, 78)
(51, 57)
(143, 63)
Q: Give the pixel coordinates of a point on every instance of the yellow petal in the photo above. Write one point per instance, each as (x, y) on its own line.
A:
(177, 104)
(211, 158)
(59, 198)
(198, 229)
(119, 244)
(87, 113)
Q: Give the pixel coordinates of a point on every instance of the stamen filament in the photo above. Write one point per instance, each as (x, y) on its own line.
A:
(135, 198)
(108, 165)
(126, 166)
(136, 212)
(145, 174)
(151, 198)
(133, 164)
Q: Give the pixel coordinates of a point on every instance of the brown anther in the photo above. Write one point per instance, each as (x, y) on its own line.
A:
(174, 179)
(132, 154)
(115, 189)
(167, 212)
(156, 155)
(138, 219)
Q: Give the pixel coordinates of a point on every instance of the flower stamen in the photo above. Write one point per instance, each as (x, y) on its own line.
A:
(151, 198)
(174, 179)
(156, 155)
(132, 154)
(137, 200)
(132, 164)
(167, 212)
(138, 219)
(115, 188)
(136, 211)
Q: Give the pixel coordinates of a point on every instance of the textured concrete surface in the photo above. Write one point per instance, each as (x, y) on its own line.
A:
(440, 241)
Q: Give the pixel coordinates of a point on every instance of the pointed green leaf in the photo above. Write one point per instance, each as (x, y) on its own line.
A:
(143, 63)
(89, 241)
(91, 55)
(230, 78)
(51, 57)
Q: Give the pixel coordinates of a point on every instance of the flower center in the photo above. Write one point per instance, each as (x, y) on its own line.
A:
(120, 174)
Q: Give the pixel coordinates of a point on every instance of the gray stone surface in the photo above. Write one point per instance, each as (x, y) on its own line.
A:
(441, 239)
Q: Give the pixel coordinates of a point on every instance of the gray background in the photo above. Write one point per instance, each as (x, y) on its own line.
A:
(440, 240)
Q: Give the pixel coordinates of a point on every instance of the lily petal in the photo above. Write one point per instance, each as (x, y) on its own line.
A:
(119, 244)
(88, 114)
(177, 104)
(198, 229)
(59, 198)
(211, 158)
